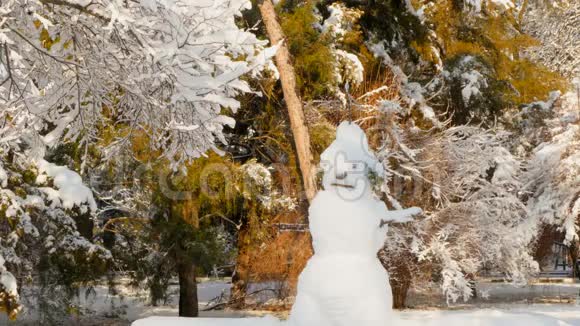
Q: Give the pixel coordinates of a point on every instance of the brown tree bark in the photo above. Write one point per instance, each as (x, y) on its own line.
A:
(398, 265)
(188, 305)
(400, 288)
(573, 251)
(293, 102)
(241, 276)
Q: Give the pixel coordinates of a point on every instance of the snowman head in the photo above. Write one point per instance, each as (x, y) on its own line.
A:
(348, 161)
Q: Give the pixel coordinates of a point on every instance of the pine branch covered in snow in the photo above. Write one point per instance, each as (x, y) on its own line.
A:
(9, 299)
(42, 206)
(348, 69)
(498, 5)
(412, 93)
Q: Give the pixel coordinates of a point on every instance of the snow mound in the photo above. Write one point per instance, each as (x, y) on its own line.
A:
(408, 318)
(180, 321)
(483, 317)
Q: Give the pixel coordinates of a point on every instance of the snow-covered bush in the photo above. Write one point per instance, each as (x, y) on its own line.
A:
(42, 206)
(482, 224)
(258, 184)
(531, 123)
(469, 185)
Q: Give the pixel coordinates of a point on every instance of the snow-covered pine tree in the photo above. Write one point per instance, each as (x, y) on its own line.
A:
(41, 248)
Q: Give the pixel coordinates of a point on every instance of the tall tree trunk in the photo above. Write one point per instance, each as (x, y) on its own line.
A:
(293, 102)
(573, 252)
(397, 264)
(187, 290)
(472, 285)
(240, 278)
(400, 288)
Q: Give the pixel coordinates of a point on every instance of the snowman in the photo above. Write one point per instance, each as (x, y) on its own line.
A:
(344, 283)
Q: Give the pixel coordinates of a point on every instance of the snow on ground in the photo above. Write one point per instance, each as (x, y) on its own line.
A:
(102, 308)
(503, 298)
(506, 315)
(489, 292)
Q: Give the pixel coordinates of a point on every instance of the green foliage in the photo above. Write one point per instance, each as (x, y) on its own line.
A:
(194, 215)
(312, 58)
(389, 20)
(67, 154)
(482, 108)
(321, 136)
(496, 40)
(450, 32)
(534, 81)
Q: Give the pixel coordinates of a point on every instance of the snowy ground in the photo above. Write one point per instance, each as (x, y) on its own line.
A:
(555, 300)
(104, 309)
(492, 293)
(503, 315)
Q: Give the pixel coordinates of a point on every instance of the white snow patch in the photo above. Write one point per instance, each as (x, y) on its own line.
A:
(335, 23)
(176, 321)
(476, 5)
(504, 4)
(7, 280)
(71, 190)
(351, 67)
(543, 105)
(529, 316)
(34, 201)
(472, 81)
(413, 94)
(149, 4)
(3, 176)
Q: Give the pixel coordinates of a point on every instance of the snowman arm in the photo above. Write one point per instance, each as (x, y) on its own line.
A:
(401, 216)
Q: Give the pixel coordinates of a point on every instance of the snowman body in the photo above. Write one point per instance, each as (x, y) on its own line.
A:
(344, 283)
